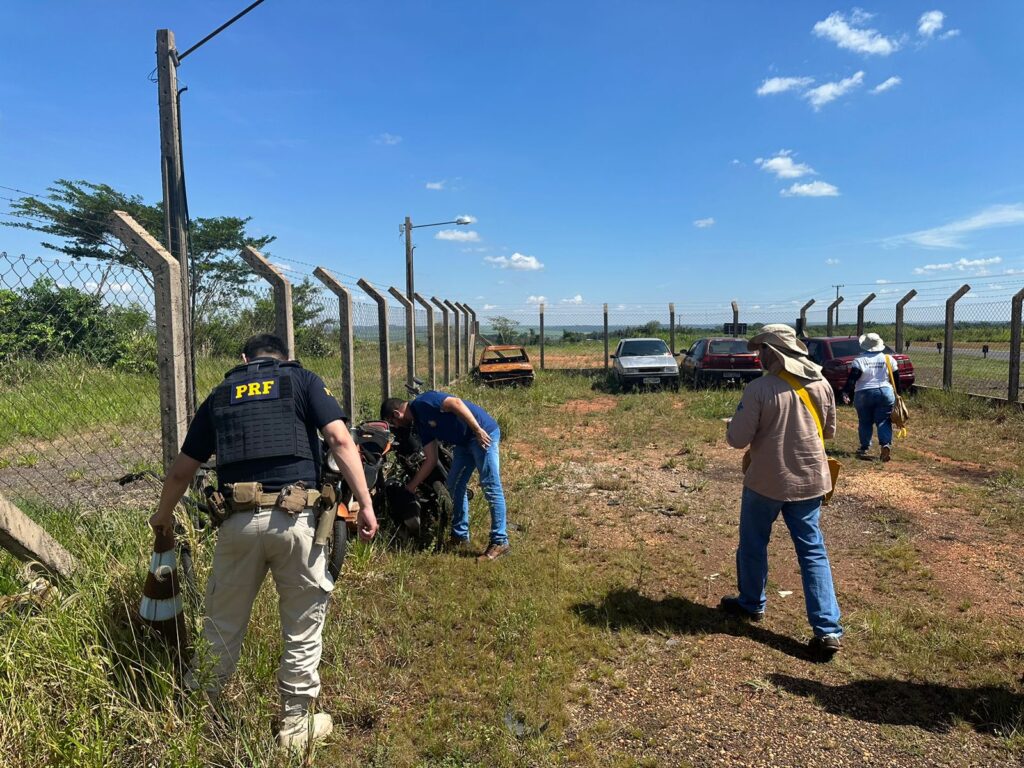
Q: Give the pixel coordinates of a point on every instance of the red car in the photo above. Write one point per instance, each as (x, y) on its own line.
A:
(835, 355)
(718, 361)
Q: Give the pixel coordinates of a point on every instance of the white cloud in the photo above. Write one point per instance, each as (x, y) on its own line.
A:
(577, 299)
(953, 235)
(436, 185)
(620, 307)
(828, 92)
(515, 261)
(846, 34)
(773, 85)
(930, 23)
(489, 306)
(458, 235)
(892, 82)
(281, 267)
(536, 299)
(832, 262)
(388, 139)
(811, 189)
(783, 167)
(882, 282)
(976, 266)
(704, 223)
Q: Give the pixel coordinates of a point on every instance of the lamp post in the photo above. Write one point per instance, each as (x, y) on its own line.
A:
(410, 284)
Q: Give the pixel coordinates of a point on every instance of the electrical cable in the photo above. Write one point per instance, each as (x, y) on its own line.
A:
(181, 56)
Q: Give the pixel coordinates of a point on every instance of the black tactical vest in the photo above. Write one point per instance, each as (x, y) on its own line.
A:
(254, 414)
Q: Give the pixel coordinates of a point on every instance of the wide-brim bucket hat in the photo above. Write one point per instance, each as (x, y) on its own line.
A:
(871, 342)
(790, 350)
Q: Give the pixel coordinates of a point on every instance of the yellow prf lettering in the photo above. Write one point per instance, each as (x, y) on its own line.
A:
(239, 391)
(254, 389)
(266, 387)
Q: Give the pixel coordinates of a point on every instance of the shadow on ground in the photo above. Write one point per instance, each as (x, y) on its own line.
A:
(930, 706)
(623, 608)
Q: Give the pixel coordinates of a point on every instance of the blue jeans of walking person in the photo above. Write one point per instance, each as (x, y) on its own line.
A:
(466, 458)
(874, 407)
(757, 514)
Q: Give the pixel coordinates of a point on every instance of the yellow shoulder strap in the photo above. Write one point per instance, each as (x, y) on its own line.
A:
(888, 367)
(802, 393)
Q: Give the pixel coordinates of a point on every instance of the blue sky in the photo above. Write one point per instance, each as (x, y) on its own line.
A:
(610, 151)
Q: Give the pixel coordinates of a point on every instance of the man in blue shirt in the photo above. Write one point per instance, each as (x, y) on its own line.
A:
(475, 437)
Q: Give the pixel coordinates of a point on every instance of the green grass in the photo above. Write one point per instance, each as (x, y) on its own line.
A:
(429, 658)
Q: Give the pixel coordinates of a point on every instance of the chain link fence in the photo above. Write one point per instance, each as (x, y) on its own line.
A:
(79, 404)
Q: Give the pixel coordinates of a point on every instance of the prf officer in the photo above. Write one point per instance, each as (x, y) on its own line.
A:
(262, 423)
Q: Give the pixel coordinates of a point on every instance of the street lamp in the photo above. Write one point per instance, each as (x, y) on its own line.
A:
(410, 288)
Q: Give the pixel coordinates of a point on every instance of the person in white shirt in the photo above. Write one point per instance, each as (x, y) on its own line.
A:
(873, 395)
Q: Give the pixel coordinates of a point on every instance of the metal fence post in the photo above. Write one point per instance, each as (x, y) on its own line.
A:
(447, 338)
(860, 313)
(898, 341)
(432, 378)
(542, 335)
(382, 336)
(346, 341)
(283, 326)
(833, 308)
(947, 349)
(1013, 393)
(672, 327)
(735, 319)
(606, 337)
(410, 360)
(803, 318)
(170, 326)
(456, 316)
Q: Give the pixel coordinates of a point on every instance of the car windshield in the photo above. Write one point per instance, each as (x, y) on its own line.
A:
(644, 348)
(728, 347)
(505, 356)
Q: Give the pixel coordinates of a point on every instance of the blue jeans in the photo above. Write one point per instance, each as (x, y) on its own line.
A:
(757, 514)
(466, 458)
(874, 407)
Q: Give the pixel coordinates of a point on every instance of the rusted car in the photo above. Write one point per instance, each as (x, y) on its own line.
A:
(505, 364)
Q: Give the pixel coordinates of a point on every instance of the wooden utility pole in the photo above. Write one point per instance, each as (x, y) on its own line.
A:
(175, 207)
(410, 294)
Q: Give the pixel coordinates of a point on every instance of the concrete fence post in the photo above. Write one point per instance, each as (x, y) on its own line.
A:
(898, 341)
(802, 330)
(542, 335)
(1013, 393)
(833, 309)
(457, 319)
(346, 340)
(474, 331)
(860, 313)
(410, 322)
(283, 325)
(170, 329)
(735, 319)
(429, 308)
(446, 334)
(28, 541)
(606, 337)
(947, 347)
(383, 341)
(672, 327)
(467, 331)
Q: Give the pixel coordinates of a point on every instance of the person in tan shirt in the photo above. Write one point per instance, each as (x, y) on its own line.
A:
(788, 473)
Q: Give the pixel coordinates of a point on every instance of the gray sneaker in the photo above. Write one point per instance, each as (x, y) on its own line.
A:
(824, 648)
(297, 731)
(886, 452)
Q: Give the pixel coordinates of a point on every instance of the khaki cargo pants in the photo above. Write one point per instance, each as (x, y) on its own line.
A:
(248, 545)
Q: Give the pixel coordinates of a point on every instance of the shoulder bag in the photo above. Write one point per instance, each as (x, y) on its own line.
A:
(900, 413)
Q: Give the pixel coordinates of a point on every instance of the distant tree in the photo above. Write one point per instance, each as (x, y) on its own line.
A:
(505, 329)
(77, 211)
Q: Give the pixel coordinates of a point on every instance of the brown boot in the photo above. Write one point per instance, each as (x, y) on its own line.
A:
(493, 552)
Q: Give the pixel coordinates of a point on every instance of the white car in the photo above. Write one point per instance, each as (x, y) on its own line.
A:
(645, 362)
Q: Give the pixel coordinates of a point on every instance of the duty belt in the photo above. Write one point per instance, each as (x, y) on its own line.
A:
(247, 497)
